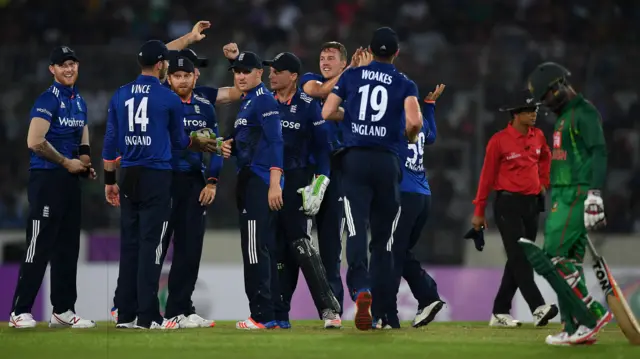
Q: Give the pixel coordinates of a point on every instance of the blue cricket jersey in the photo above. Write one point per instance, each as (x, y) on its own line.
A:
(257, 135)
(144, 123)
(304, 133)
(374, 106)
(334, 130)
(414, 176)
(66, 110)
(198, 113)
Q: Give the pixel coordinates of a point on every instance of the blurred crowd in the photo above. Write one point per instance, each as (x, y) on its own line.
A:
(481, 49)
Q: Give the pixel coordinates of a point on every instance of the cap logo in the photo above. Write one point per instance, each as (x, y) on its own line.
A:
(180, 62)
(140, 54)
(383, 47)
(278, 56)
(529, 100)
(241, 56)
(66, 50)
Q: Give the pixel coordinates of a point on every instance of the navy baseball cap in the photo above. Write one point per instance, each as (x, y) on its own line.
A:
(193, 57)
(285, 61)
(152, 52)
(384, 42)
(247, 60)
(61, 54)
(181, 63)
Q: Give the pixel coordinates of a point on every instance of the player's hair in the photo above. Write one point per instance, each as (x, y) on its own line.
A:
(335, 45)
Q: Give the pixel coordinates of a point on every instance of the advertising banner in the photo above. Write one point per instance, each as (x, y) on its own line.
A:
(8, 279)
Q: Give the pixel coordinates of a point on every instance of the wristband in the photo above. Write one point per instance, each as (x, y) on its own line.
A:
(84, 150)
(212, 180)
(109, 177)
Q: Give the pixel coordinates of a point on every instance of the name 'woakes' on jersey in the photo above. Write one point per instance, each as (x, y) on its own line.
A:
(198, 113)
(374, 108)
(257, 133)
(304, 133)
(414, 175)
(144, 123)
(66, 112)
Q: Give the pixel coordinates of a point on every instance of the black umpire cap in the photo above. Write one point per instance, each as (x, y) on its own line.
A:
(61, 54)
(152, 52)
(181, 63)
(246, 60)
(191, 55)
(521, 101)
(384, 42)
(285, 61)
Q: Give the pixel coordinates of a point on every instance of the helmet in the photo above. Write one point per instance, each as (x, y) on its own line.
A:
(550, 76)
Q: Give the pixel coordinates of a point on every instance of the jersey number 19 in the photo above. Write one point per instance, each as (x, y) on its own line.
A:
(140, 117)
(377, 101)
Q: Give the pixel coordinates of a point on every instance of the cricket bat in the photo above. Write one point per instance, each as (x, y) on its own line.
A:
(615, 299)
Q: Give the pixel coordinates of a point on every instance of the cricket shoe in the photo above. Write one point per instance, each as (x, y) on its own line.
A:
(284, 324)
(70, 319)
(193, 321)
(564, 339)
(584, 334)
(167, 324)
(380, 324)
(250, 324)
(363, 318)
(426, 315)
(114, 314)
(504, 321)
(543, 314)
(130, 325)
(331, 319)
(21, 321)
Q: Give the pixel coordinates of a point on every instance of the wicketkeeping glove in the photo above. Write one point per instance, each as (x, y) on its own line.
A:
(594, 210)
(312, 195)
(209, 133)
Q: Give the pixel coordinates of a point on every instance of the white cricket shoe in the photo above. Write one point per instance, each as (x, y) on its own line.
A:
(564, 339)
(131, 325)
(70, 319)
(24, 320)
(250, 324)
(378, 325)
(543, 314)
(503, 321)
(167, 324)
(331, 319)
(193, 321)
(427, 314)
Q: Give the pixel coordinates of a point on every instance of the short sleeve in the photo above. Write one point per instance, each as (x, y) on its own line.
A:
(45, 107)
(412, 89)
(309, 76)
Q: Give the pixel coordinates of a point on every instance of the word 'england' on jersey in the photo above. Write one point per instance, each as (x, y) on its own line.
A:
(144, 123)
(373, 97)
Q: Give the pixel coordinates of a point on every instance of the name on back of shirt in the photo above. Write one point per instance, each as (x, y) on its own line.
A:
(378, 76)
(137, 88)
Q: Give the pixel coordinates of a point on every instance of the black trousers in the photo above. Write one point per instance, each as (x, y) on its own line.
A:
(145, 201)
(372, 201)
(53, 236)
(257, 234)
(516, 217)
(186, 226)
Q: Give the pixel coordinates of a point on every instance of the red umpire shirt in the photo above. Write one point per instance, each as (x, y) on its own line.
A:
(514, 162)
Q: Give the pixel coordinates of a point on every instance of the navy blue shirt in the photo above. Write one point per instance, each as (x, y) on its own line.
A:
(145, 121)
(198, 113)
(414, 176)
(374, 106)
(304, 133)
(333, 127)
(257, 134)
(66, 110)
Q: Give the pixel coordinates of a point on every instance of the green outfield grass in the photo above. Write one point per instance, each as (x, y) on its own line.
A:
(305, 340)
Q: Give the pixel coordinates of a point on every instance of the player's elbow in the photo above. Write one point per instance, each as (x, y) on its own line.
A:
(326, 114)
(413, 125)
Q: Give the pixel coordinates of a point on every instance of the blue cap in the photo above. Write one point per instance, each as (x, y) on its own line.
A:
(152, 52)
(384, 42)
(246, 60)
(285, 61)
(61, 54)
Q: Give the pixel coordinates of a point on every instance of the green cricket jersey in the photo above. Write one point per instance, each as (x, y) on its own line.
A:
(579, 154)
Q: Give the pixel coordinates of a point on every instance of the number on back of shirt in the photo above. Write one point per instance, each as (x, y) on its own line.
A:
(417, 158)
(137, 115)
(375, 99)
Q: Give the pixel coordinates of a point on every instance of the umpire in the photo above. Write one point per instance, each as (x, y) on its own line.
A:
(516, 165)
(58, 141)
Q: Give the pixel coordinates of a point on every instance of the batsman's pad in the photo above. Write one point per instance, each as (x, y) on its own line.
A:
(566, 297)
(314, 273)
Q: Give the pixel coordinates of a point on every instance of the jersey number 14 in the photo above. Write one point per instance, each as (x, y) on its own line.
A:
(140, 117)
(376, 100)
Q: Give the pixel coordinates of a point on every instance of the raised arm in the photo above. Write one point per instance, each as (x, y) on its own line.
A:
(194, 36)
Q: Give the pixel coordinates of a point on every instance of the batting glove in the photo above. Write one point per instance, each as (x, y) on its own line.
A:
(594, 210)
(209, 133)
(313, 194)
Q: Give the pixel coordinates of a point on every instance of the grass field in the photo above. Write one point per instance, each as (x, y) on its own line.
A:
(305, 340)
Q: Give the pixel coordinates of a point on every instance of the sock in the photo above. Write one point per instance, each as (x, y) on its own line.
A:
(573, 273)
(568, 301)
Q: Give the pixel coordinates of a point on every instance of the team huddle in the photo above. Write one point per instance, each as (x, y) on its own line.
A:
(344, 147)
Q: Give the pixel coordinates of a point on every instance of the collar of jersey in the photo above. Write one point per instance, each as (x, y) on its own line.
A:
(252, 93)
(574, 101)
(288, 103)
(65, 90)
(515, 133)
(189, 101)
(146, 79)
(381, 64)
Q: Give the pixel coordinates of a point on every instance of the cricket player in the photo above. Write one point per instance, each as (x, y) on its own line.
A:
(375, 97)
(304, 133)
(145, 122)
(59, 149)
(415, 200)
(578, 171)
(257, 144)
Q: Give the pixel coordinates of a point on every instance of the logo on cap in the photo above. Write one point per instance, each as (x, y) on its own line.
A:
(529, 100)
(278, 56)
(66, 50)
(180, 62)
(383, 47)
(241, 56)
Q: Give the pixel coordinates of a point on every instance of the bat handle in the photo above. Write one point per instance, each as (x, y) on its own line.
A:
(592, 248)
